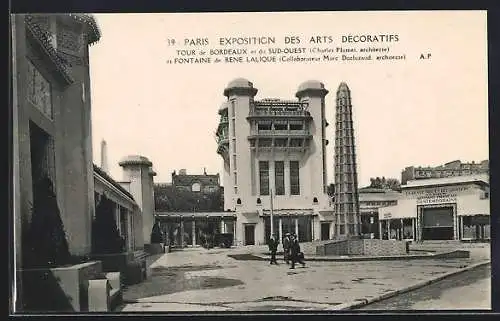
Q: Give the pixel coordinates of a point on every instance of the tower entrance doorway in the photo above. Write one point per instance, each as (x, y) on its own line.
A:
(249, 234)
(325, 231)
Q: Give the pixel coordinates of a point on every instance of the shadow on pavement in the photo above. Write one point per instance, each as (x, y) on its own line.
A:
(172, 279)
(246, 257)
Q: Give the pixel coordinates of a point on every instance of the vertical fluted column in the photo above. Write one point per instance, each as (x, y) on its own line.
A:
(346, 181)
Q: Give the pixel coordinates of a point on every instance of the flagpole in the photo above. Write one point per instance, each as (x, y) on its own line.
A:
(272, 213)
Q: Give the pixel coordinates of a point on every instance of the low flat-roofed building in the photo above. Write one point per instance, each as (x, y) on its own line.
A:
(453, 168)
(370, 201)
(451, 208)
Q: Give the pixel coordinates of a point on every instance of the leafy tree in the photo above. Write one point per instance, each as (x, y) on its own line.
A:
(393, 184)
(383, 183)
(45, 243)
(106, 238)
(169, 198)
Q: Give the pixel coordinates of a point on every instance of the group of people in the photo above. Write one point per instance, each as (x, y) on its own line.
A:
(291, 250)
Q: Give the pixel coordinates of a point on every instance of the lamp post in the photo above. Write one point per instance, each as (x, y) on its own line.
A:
(272, 213)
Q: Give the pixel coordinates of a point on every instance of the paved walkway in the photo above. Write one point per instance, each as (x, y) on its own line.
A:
(467, 290)
(209, 280)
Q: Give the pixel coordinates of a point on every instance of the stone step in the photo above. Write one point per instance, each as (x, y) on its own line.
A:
(115, 299)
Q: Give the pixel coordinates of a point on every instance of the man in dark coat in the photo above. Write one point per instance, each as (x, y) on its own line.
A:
(295, 253)
(273, 247)
(286, 248)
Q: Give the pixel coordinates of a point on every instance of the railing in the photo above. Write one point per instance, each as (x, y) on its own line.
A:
(280, 148)
(273, 132)
(283, 113)
(224, 119)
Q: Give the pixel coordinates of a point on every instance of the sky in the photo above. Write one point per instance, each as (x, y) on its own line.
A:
(406, 112)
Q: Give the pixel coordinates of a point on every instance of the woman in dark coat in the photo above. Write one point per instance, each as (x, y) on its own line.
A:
(273, 248)
(286, 248)
(295, 253)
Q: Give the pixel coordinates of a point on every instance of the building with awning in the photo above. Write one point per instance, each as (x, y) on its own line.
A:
(451, 208)
(370, 200)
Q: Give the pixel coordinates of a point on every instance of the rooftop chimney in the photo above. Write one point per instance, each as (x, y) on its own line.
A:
(104, 156)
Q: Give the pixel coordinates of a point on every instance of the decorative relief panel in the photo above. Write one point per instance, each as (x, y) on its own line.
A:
(39, 90)
(68, 39)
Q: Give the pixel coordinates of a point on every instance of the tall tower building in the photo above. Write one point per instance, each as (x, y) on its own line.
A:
(346, 179)
(274, 160)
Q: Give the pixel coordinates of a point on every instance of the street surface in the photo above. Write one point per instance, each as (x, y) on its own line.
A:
(197, 279)
(467, 290)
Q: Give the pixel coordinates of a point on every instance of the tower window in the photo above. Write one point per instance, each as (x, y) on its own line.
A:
(265, 142)
(259, 201)
(280, 142)
(238, 201)
(315, 200)
(280, 127)
(264, 126)
(294, 178)
(279, 173)
(264, 177)
(295, 142)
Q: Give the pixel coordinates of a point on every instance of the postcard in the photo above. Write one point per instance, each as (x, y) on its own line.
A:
(249, 162)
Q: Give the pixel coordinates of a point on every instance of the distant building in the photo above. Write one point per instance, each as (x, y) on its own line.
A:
(204, 183)
(274, 158)
(454, 168)
(190, 209)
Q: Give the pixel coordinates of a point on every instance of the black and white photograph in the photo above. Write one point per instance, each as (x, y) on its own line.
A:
(250, 162)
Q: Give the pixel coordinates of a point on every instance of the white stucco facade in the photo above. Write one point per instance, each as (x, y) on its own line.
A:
(138, 180)
(466, 197)
(274, 132)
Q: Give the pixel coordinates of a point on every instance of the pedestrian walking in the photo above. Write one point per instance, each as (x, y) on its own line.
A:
(286, 248)
(296, 255)
(273, 247)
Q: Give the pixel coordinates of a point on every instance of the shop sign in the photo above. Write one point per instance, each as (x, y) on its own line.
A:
(437, 195)
(480, 220)
(387, 215)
